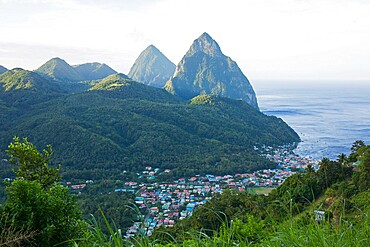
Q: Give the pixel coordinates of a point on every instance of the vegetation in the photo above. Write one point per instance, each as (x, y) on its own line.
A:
(280, 219)
(38, 210)
(117, 207)
(17, 79)
(44, 214)
(122, 125)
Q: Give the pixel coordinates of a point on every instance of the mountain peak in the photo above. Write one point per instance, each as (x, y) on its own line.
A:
(59, 70)
(152, 67)
(151, 47)
(205, 44)
(206, 70)
(57, 60)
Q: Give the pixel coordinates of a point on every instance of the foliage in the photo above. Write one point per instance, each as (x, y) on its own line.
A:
(18, 79)
(31, 164)
(364, 159)
(116, 208)
(100, 133)
(36, 202)
(52, 213)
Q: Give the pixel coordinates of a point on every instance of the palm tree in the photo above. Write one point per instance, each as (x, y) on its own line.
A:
(342, 159)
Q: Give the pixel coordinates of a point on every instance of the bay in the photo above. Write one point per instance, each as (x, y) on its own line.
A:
(328, 116)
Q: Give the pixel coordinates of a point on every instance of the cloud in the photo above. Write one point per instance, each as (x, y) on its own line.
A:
(252, 32)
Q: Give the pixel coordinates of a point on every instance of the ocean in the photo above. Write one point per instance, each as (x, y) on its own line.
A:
(328, 116)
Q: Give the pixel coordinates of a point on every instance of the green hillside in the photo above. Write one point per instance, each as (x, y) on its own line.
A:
(19, 79)
(120, 86)
(121, 125)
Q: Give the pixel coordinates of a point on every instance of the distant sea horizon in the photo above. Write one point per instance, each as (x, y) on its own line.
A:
(327, 115)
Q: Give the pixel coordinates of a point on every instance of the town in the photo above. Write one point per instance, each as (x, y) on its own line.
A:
(164, 203)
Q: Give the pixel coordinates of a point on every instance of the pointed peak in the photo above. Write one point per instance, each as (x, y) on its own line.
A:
(152, 67)
(57, 59)
(205, 36)
(205, 44)
(151, 49)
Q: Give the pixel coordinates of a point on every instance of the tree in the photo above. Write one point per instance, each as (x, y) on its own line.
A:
(356, 145)
(37, 202)
(32, 165)
(342, 159)
(364, 179)
(331, 172)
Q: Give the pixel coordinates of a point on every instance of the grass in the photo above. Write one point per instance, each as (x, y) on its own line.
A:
(293, 232)
(10, 235)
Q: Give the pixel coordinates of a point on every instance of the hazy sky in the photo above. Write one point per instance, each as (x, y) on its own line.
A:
(269, 39)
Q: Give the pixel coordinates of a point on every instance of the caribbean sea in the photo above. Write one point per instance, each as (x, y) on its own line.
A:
(328, 116)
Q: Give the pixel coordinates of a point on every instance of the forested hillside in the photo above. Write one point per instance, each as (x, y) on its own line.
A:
(120, 124)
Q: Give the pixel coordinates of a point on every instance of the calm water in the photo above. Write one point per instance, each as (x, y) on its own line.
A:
(328, 116)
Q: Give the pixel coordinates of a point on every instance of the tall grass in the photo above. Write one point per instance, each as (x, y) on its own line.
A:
(10, 235)
(321, 234)
(293, 232)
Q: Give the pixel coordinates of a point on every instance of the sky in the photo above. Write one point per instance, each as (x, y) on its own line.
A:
(269, 39)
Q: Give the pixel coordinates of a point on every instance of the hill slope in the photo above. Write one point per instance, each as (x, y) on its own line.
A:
(206, 70)
(152, 68)
(20, 79)
(120, 86)
(124, 125)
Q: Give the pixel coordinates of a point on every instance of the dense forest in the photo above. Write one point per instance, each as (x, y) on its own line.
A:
(41, 212)
(119, 124)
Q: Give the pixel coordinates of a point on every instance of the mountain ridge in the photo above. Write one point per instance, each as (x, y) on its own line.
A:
(2, 69)
(59, 70)
(93, 71)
